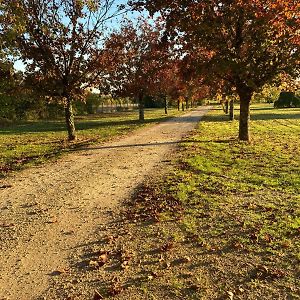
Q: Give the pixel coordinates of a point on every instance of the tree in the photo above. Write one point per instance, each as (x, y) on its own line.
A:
(60, 43)
(141, 59)
(250, 42)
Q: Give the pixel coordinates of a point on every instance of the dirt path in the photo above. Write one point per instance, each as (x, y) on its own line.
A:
(48, 211)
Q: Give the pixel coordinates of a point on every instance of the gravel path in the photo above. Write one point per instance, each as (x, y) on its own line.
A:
(48, 211)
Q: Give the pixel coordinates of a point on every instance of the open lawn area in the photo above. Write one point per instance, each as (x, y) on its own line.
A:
(26, 143)
(224, 223)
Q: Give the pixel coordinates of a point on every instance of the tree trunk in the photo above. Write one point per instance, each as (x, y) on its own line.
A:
(70, 120)
(231, 110)
(187, 103)
(245, 98)
(226, 107)
(178, 105)
(141, 108)
(166, 104)
(182, 106)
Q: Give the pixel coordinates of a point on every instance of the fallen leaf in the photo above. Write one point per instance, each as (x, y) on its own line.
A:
(53, 220)
(268, 238)
(94, 264)
(187, 259)
(125, 265)
(7, 225)
(253, 237)
(230, 295)
(166, 247)
(98, 296)
(115, 289)
(5, 186)
(102, 259)
(286, 244)
(167, 265)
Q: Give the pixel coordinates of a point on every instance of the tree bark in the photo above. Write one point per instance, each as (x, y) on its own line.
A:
(226, 107)
(166, 104)
(141, 108)
(245, 99)
(182, 106)
(70, 120)
(231, 110)
(178, 105)
(187, 103)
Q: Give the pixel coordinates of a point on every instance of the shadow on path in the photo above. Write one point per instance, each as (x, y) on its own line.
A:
(155, 144)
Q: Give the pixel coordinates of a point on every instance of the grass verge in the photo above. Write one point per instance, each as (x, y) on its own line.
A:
(26, 143)
(225, 222)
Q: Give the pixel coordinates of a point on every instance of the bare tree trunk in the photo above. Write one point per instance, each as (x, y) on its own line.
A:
(141, 108)
(166, 104)
(231, 110)
(182, 106)
(187, 102)
(70, 120)
(245, 98)
(226, 107)
(178, 105)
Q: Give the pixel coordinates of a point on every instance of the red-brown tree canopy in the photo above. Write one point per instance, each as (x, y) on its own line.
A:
(140, 59)
(249, 42)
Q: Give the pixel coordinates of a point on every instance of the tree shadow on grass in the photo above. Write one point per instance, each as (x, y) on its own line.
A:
(265, 117)
(59, 126)
(254, 117)
(262, 108)
(82, 124)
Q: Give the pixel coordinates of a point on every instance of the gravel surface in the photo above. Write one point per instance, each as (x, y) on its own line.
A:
(49, 211)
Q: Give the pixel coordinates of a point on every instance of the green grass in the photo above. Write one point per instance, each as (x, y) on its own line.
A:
(232, 207)
(26, 143)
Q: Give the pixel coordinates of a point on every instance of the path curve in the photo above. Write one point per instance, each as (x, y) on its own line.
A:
(48, 210)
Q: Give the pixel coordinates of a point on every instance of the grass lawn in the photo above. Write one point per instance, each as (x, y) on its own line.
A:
(25, 143)
(223, 224)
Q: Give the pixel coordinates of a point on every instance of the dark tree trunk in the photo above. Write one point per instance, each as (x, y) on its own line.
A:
(166, 104)
(141, 108)
(178, 105)
(70, 120)
(245, 99)
(226, 107)
(187, 103)
(231, 110)
(182, 106)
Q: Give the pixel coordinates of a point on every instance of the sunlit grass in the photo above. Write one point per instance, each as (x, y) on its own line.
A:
(239, 207)
(25, 143)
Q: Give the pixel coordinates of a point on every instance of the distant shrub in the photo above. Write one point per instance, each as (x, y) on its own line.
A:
(287, 100)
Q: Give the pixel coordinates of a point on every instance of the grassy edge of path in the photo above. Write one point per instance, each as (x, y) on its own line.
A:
(224, 223)
(24, 144)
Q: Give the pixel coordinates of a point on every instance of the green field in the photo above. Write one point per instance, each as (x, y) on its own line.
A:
(25, 143)
(225, 222)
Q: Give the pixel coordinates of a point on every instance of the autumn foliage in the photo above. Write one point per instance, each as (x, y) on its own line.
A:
(250, 42)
